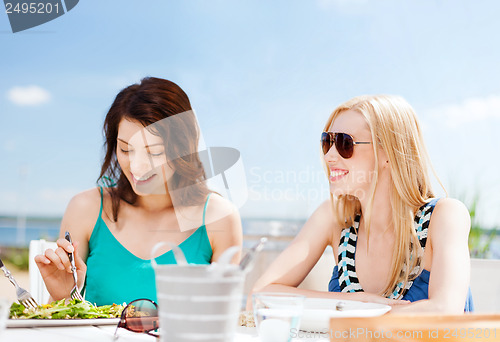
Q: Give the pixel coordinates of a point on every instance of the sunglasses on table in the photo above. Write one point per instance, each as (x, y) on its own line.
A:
(344, 143)
(141, 316)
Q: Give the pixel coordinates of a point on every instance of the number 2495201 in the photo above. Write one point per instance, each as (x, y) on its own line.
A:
(32, 7)
(478, 333)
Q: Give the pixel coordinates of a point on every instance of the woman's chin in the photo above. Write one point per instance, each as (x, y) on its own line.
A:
(149, 189)
(337, 191)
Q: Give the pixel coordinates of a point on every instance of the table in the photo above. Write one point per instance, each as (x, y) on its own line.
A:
(417, 327)
(105, 334)
(434, 327)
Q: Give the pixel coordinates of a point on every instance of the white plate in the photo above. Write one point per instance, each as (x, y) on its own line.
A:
(32, 323)
(318, 311)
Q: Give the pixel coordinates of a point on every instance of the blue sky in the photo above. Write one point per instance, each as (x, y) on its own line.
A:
(262, 76)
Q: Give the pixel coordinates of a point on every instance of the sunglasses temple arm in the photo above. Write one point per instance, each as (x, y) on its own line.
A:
(155, 327)
(119, 325)
(115, 336)
(152, 334)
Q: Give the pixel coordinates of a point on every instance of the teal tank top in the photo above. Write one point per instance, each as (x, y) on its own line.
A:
(115, 275)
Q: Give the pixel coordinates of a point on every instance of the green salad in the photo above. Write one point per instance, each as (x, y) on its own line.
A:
(64, 309)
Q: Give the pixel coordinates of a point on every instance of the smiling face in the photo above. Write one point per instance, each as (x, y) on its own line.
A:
(142, 158)
(352, 176)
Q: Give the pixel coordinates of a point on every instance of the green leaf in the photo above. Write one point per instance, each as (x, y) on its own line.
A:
(73, 309)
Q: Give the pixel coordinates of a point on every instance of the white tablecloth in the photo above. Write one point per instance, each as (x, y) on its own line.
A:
(105, 333)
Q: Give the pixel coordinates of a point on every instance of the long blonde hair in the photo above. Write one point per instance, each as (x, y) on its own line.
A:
(394, 128)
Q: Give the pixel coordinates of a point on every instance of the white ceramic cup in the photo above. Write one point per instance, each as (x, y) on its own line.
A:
(198, 302)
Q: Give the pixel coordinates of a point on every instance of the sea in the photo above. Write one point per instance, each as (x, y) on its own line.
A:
(18, 233)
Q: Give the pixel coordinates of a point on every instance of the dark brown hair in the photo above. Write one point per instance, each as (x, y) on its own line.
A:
(149, 102)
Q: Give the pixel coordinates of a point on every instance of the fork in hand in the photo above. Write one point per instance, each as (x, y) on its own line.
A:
(23, 296)
(75, 293)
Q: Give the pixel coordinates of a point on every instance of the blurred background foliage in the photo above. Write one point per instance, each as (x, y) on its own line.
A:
(15, 256)
(480, 238)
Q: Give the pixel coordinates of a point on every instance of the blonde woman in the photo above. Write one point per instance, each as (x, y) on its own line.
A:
(378, 221)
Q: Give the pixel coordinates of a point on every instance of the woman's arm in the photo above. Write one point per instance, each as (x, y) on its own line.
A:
(54, 265)
(297, 260)
(450, 270)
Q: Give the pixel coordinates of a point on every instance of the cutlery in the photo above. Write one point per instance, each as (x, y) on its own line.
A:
(75, 293)
(23, 296)
(248, 259)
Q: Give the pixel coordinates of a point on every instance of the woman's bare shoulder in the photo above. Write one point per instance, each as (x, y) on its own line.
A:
(85, 200)
(325, 209)
(326, 215)
(450, 216)
(322, 223)
(450, 204)
(451, 209)
(223, 224)
(216, 201)
(220, 209)
(83, 209)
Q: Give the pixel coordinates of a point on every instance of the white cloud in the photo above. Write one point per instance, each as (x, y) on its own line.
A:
(470, 110)
(28, 96)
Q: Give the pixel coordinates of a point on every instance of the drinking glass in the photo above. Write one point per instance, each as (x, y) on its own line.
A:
(277, 315)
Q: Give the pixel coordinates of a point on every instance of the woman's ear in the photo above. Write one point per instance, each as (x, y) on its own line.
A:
(383, 159)
(386, 164)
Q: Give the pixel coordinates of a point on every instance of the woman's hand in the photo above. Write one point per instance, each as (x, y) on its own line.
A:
(55, 268)
(373, 298)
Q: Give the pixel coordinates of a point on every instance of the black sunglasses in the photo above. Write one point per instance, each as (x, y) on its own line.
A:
(344, 143)
(140, 315)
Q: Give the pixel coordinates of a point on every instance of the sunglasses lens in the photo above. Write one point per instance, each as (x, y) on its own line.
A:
(344, 145)
(141, 316)
(326, 142)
